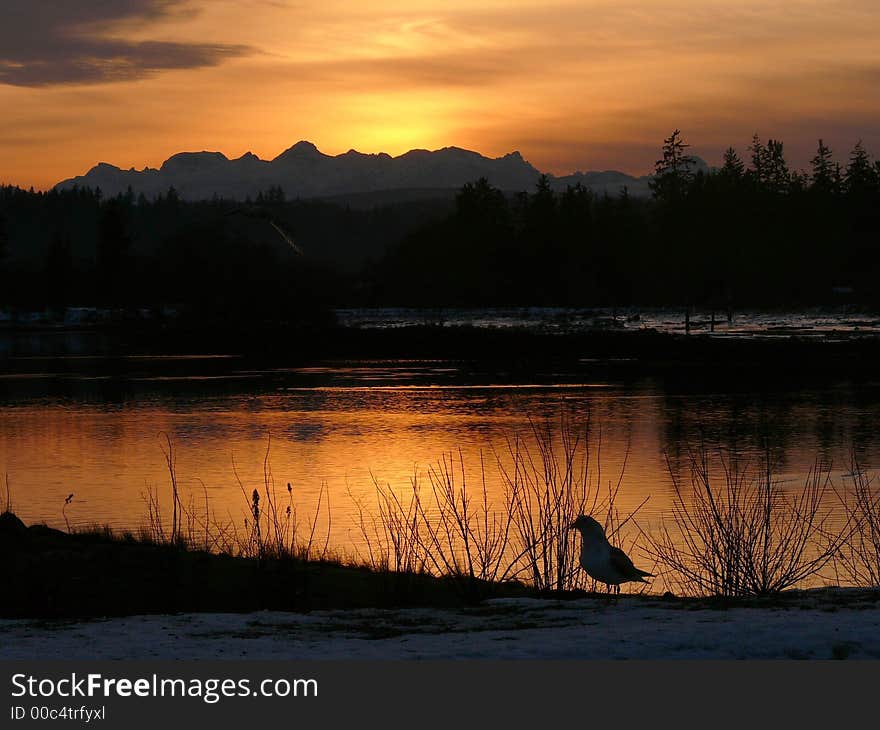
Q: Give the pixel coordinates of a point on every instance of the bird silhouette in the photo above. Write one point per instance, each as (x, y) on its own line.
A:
(601, 560)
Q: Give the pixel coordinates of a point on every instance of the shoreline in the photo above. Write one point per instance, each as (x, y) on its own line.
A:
(58, 575)
(54, 574)
(512, 349)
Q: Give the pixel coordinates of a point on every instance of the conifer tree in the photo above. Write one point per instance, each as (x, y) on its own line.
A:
(861, 176)
(672, 173)
(778, 175)
(824, 172)
(733, 167)
(760, 161)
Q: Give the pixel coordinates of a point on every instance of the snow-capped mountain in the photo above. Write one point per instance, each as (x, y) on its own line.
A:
(304, 171)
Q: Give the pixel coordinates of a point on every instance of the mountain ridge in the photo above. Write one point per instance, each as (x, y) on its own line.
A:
(303, 171)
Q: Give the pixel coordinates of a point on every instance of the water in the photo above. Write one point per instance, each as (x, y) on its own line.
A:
(96, 427)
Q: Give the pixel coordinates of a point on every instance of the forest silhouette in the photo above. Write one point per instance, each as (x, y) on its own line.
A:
(752, 232)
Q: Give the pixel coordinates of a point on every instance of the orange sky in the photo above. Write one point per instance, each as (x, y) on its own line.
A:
(583, 85)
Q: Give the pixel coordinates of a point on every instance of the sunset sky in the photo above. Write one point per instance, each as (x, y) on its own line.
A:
(593, 84)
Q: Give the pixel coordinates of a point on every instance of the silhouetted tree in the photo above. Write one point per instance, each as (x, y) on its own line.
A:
(733, 168)
(112, 252)
(576, 233)
(3, 239)
(542, 205)
(799, 181)
(672, 172)
(778, 175)
(3, 246)
(769, 169)
(760, 162)
(59, 272)
(479, 203)
(824, 173)
(861, 176)
(275, 194)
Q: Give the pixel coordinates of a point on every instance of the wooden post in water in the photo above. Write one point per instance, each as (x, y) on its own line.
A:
(687, 320)
(712, 324)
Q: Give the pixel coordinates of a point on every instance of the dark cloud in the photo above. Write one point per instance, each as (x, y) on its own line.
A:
(50, 42)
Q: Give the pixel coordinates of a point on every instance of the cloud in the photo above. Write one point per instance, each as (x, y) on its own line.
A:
(54, 42)
(463, 69)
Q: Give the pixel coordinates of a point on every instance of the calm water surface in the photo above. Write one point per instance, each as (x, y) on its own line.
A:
(84, 427)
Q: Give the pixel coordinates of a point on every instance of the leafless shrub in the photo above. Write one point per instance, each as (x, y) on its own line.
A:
(448, 532)
(550, 477)
(745, 536)
(391, 535)
(858, 561)
(440, 524)
(447, 528)
(467, 538)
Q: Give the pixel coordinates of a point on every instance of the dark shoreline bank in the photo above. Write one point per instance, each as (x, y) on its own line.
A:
(511, 350)
(53, 575)
(48, 573)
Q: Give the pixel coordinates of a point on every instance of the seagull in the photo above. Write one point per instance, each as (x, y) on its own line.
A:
(601, 560)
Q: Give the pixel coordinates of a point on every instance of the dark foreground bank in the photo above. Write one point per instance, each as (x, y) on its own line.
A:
(50, 574)
(47, 573)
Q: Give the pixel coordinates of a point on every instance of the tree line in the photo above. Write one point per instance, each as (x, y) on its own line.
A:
(206, 259)
(751, 232)
(76, 248)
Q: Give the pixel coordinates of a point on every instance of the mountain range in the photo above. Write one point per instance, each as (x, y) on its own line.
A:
(303, 171)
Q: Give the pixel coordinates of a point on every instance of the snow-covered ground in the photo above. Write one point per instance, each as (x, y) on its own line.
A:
(591, 628)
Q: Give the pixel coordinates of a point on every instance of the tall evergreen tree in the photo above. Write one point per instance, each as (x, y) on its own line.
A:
(112, 251)
(543, 202)
(59, 272)
(480, 204)
(799, 181)
(672, 172)
(760, 161)
(769, 169)
(275, 194)
(861, 176)
(3, 238)
(824, 173)
(3, 246)
(778, 175)
(733, 167)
